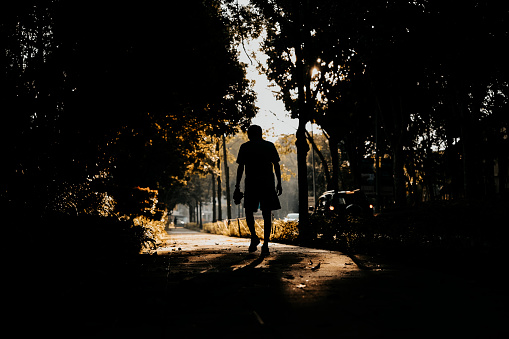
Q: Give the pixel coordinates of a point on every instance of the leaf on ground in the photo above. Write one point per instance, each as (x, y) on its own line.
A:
(315, 267)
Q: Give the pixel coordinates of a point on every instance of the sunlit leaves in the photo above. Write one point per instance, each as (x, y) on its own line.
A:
(135, 92)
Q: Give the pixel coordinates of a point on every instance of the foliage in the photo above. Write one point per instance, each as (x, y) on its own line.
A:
(424, 82)
(235, 227)
(155, 231)
(95, 236)
(103, 97)
(449, 229)
(107, 109)
(284, 232)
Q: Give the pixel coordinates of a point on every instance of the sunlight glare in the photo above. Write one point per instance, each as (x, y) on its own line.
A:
(314, 72)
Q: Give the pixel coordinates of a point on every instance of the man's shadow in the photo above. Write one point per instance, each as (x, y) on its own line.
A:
(258, 259)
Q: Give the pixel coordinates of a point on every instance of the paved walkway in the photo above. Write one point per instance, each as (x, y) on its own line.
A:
(203, 285)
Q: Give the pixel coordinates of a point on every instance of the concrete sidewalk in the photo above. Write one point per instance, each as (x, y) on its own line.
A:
(208, 285)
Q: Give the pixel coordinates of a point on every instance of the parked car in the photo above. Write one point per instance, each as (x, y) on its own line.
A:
(292, 217)
(344, 202)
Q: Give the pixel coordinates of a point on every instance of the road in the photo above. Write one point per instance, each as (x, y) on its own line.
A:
(201, 285)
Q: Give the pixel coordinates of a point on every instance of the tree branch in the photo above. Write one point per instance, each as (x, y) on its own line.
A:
(322, 158)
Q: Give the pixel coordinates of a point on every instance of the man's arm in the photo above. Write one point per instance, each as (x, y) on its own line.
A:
(240, 171)
(277, 170)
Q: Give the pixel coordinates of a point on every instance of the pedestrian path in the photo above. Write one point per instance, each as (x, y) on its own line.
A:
(302, 271)
(200, 284)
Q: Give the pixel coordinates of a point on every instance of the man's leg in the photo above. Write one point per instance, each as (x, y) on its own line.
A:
(251, 225)
(267, 227)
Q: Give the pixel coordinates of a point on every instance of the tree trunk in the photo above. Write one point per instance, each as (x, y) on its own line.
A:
(303, 80)
(302, 151)
(391, 119)
(302, 146)
(191, 210)
(503, 164)
(201, 216)
(334, 152)
(214, 215)
(399, 174)
(219, 208)
(471, 170)
(227, 181)
(323, 160)
(355, 160)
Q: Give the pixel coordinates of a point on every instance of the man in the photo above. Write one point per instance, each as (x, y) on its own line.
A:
(259, 158)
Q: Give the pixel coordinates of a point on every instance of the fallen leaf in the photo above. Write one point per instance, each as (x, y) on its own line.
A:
(315, 267)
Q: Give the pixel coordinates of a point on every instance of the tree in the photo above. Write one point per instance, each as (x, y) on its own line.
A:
(291, 56)
(125, 96)
(406, 65)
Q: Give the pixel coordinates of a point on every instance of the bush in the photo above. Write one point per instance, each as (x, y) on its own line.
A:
(155, 233)
(285, 232)
(452, 228)
(70, 242)
(93, 235)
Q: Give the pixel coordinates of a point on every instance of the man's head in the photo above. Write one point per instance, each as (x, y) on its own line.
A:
(254, 132)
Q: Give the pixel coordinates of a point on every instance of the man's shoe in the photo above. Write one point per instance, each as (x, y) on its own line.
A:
(254, 244)
(265, 250)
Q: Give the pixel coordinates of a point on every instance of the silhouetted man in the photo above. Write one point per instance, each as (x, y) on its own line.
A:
(259, 158)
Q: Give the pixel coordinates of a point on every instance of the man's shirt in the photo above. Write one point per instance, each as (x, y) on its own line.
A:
(258, 158)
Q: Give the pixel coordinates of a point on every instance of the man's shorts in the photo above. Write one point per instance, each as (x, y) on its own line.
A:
(265, 199)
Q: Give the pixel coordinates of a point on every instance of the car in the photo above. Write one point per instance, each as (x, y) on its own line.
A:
(291, 217)
(354, 203)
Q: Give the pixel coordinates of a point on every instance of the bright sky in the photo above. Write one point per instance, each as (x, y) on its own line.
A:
(272, 114)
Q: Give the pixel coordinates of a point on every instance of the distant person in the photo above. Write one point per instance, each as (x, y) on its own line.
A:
(260, 160)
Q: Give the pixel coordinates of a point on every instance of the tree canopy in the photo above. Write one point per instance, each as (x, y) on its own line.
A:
(114, 95)
(424, 82)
